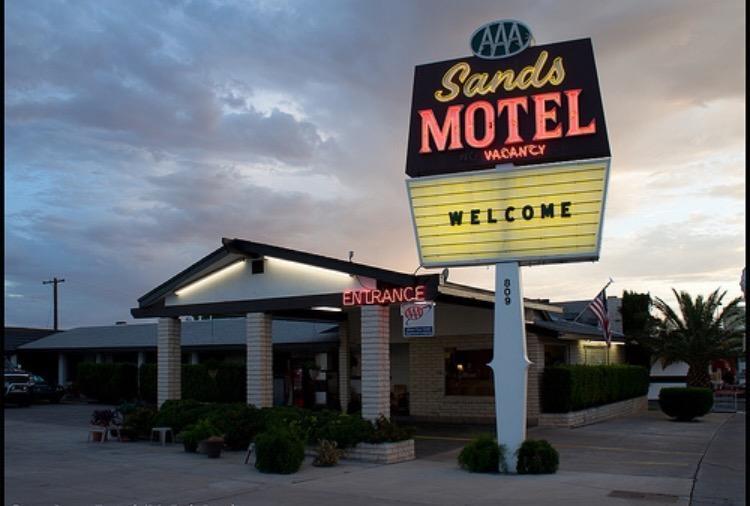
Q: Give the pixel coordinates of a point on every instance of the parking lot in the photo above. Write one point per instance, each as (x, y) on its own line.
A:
(645, 459)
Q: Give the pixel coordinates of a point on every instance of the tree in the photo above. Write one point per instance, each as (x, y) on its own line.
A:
(638, 325)
(699, 333)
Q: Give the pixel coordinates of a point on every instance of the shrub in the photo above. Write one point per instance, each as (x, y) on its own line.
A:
(482, 455)
(345, 430)
(238, 423)
(537, 457)
(684, 404)
(178, 414)
(147, 386)
(574, 387)
(279, 450)
(386, 431)
(197, 432)
(138, 423)
(328, 454)
(109, 383)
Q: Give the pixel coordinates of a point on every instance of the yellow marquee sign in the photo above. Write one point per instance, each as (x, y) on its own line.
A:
(542, 214)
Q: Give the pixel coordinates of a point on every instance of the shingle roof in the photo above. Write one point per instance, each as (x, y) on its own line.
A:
(216, 332)
(13, 337)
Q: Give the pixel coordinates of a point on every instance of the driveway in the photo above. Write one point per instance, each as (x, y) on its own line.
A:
(638, 460)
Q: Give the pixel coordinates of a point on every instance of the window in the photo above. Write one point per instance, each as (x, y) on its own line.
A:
(554, 354)
(595, 355)
(467, 372)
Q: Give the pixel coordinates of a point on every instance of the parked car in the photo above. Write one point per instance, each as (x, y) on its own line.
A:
(18, 385)
(43, 391)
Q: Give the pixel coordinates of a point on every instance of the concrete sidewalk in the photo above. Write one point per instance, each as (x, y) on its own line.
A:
(721, 473)
(640, 460)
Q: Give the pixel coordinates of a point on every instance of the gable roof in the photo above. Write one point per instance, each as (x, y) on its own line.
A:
(233, 249)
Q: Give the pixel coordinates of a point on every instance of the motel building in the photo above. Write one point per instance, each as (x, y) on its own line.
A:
(283, 312)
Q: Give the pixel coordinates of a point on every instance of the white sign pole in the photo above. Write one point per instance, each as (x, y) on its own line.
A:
(509, 361)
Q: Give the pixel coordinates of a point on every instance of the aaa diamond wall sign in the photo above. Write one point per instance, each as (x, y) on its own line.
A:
(542, 214)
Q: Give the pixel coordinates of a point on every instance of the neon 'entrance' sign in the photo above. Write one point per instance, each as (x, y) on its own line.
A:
(384, 296)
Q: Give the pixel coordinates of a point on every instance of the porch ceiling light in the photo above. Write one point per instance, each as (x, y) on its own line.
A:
(214, 276)
(326, 308)
(301, 267)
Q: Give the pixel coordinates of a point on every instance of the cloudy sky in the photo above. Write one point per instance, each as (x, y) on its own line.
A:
(139, 133)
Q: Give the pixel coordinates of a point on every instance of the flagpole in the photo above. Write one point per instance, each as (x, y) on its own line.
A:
(587, 305)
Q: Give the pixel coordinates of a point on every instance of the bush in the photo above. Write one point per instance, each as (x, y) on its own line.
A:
(684, 404)
(537, 457)
(238, 423)
(328, 454)
(386, 431)
(108, 383)
(228, 384)
(345, 430)
(197, 432)
(147, 386)
(279, 451)
(138, 423)
(178, 414)
(482, 455)
(574, 387)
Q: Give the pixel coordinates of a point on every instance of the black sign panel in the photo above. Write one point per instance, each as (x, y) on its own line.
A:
(542, 105)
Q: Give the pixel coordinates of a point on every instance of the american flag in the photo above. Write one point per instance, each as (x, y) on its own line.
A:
(599, 308)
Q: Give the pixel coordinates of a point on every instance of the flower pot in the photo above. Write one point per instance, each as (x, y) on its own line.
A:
(213, 449)
(190, 446)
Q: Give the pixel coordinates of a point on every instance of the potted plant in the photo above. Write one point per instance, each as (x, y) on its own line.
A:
(196, 434)
(213, 446)
(102, 418)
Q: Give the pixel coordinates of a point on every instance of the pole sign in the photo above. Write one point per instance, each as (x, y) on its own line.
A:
(531, 215)
(527, 105)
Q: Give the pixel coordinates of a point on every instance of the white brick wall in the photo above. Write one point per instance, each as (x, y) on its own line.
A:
(259, 360)
(169, 367)
(376, 364)
(344, 368)
(594, 415)
(427, 399)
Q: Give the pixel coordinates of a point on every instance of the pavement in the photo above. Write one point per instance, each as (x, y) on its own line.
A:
(639, 460)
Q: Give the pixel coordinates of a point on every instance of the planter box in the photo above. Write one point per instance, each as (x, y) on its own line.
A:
(384, 453)
(594, 415)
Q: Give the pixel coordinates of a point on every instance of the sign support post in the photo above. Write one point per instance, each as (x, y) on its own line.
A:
(509, 360)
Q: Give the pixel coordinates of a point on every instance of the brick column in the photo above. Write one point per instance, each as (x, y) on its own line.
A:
(344, 368)
(376, 363)
(535, 352)
(169, 367)
(259, 360)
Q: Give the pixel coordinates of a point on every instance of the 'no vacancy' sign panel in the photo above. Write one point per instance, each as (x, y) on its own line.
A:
(543, 214)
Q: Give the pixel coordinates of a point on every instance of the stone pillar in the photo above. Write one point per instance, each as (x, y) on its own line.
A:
(141, 359)
(62, 369)
(194, 358)
(376, 363)
(169, 367)
(344, 368)
(259, 360)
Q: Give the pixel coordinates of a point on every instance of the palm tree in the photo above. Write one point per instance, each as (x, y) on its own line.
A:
(701, 332)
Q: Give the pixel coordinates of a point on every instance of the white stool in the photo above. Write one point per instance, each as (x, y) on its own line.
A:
(96, 429)
(162, 433)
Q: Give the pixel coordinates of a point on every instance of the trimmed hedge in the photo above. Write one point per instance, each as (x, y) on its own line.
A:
(221, 382)
(574, 387)
(686, 403)
(111, 383)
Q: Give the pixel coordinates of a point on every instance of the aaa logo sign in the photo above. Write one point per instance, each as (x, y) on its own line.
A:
(542, 214)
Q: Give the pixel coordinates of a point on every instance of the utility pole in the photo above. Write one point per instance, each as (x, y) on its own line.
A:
(54, 282)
